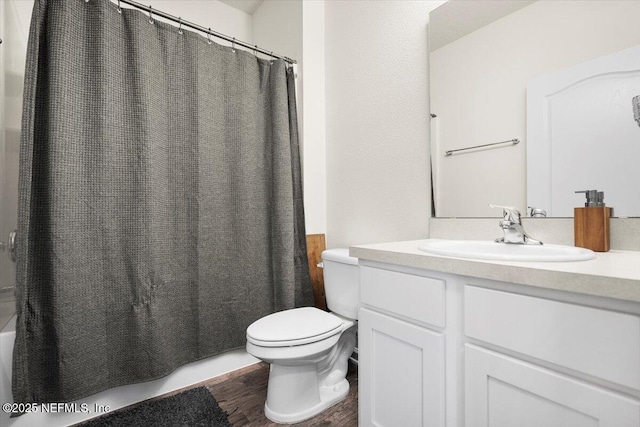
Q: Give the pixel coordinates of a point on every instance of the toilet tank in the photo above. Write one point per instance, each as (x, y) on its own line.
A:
(341, 282)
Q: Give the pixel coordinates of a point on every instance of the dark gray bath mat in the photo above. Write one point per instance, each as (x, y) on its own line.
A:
(195, 407)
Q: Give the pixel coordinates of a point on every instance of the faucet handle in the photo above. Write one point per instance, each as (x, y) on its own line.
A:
(537, 212)
(510, 213)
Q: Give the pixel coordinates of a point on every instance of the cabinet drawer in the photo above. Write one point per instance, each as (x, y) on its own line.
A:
(597, 342)
(413, 297)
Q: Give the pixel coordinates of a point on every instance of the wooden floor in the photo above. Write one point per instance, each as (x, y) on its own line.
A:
(242, 394)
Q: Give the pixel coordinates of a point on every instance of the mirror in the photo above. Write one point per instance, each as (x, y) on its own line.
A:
(483, 55)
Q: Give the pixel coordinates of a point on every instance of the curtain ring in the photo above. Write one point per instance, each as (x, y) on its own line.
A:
(255, 51)
(233, 45)
(119, 8)
(150, 15)
(209, 36)
(272, 58)
(180, 26)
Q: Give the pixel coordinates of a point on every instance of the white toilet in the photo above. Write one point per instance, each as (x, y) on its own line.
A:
(308, 348)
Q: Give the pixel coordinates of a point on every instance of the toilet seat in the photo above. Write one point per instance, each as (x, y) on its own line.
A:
(293, 327)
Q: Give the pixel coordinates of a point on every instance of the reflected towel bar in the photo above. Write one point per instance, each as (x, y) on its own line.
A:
(510, 141)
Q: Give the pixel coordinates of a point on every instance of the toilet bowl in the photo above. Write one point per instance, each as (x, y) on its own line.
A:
(308, 348)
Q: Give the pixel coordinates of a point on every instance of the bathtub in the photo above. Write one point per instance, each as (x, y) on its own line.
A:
(114, 398)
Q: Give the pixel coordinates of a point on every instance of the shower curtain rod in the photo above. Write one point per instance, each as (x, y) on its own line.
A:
(208, 31)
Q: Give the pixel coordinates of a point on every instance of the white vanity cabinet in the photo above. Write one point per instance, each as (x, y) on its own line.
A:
(401, 362)
(439, 349)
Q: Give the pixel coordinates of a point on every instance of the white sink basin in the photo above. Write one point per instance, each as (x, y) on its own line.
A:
(479, 249)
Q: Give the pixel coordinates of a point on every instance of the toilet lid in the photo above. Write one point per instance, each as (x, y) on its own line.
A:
(293, 327)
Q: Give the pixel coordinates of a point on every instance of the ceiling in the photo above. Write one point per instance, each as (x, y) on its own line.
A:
(247, 6)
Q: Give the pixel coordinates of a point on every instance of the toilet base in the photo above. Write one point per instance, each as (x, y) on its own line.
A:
(297, 392)
(329, 396)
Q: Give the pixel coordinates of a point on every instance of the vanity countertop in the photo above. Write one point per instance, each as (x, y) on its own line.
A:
(613, 274)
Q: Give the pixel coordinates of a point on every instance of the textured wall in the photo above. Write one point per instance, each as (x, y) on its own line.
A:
(217, 15)
(377, 111)
(314, 126)
(277, 26)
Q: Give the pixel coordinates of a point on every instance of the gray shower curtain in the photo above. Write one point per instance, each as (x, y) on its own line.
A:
(160, 207)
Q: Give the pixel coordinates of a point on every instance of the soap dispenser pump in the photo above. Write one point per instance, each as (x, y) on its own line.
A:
(591, 223)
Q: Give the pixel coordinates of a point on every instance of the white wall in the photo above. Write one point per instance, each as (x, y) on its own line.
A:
(479, 93)
(212, 13)
(377, 109)
(314, 121)
(277, 27)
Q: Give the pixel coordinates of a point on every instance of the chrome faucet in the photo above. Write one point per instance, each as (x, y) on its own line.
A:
(512, 226)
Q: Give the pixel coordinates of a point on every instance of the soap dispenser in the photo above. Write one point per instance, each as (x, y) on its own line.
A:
(591, 223)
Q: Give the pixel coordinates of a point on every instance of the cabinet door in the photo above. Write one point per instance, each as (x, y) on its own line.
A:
(401, 373)
(501, 391)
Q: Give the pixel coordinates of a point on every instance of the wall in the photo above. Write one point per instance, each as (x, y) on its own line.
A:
(219, 16)
(314, 122)
(377, 109)
(624, 232)
(479, 93)
(277, 26)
